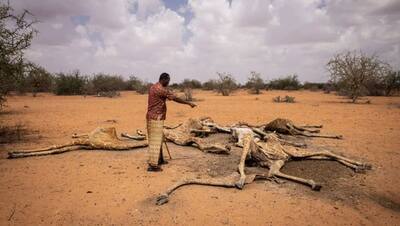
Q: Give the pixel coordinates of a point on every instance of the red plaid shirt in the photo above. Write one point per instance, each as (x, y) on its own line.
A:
(157, 108)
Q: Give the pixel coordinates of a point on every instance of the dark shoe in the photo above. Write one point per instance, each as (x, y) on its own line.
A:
(163, 162)
(154, 169)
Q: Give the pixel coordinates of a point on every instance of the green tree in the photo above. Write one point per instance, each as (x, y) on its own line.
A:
(70, 83)
(290, 82)
(107, 83)
(16, 33)
(191, 83)
(210, 85)
(136, 84)
(38, 79)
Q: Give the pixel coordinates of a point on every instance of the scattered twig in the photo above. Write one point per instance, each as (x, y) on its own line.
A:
(12, 212)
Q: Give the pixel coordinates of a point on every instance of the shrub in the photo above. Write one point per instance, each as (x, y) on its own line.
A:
(109, 94)
(187, 86)
(255, 83)
(188, 94)
(391, 82)
(313, 86)
(175, 86)
(210, 85)
(373, 87)
(38, 79)
(70, 83)
(132, 83)
(290, 82)
(144, 88)
(107, 83)
(136, 84)
(328, 87)
(355, 72)
(32, 78)
(21, 85)
(286, 99)
(226, 84)
(191, 83)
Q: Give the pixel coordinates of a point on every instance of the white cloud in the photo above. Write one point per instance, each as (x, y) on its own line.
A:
(274, 37)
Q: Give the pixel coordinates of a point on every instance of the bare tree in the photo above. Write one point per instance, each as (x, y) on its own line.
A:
(226, 83)
(188, 92)
(187, 87)
(352, 70)
(16, 33)
(255, 82)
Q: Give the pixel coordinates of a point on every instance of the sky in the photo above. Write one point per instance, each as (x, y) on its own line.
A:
(197, 38)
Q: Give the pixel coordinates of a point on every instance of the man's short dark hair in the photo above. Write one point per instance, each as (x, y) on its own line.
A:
(164, 76)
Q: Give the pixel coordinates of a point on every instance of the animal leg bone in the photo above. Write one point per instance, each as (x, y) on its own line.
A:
(248, 144)
(133, 137)
(46, 151)
(275, 171)
(304, 129)
(84, 135)
(210, 148)
(173, 127)
(121, 147)
(321, 135)
(227, 182)
(259, 132)
(357, 166)
(312, 126)
(217, 127)
(265, 135)
(73, 146)
(73, 143)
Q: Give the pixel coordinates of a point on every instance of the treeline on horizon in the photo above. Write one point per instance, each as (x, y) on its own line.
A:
(75, 83)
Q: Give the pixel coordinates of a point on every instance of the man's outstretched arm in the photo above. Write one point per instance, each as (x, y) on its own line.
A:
(182, 101)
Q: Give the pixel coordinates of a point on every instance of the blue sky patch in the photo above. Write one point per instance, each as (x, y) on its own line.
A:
(80, 19)
(175, 4)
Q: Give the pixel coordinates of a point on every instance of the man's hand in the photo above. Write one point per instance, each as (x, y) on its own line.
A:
(181, 101)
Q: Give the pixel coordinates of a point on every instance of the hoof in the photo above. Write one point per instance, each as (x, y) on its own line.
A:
(363, 168)
(140, 132)
(360, 169)
(239, 185)
(162, 199)
(316, 187)
(367, 166)
(12, 155)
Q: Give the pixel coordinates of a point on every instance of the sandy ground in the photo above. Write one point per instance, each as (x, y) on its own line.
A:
(104, 188)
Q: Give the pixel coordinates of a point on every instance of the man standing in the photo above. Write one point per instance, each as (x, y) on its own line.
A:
(156, 114)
